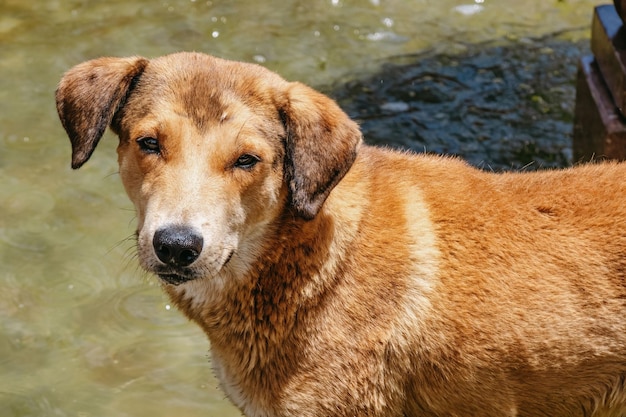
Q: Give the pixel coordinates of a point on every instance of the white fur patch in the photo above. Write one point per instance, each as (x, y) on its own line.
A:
(424, 259)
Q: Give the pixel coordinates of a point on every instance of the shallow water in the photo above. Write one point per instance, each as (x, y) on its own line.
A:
(82, 331)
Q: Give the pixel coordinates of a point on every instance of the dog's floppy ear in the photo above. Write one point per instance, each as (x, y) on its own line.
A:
(321, 145)
(88, 96)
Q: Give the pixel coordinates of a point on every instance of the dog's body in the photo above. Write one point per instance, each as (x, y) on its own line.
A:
(337, 279)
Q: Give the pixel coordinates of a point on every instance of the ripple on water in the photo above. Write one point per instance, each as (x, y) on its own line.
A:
(28, 221)
(80, 282)
(25, 213)
(130, 341)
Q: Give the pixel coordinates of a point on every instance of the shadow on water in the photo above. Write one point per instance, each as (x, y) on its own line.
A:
(499, 106)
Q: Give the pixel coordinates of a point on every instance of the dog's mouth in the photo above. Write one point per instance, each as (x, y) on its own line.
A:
(175, 276)
(175, 279)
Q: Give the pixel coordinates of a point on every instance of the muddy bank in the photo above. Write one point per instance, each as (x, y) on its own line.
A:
(499, 106)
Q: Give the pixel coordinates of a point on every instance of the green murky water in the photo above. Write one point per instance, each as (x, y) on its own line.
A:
(82, 331)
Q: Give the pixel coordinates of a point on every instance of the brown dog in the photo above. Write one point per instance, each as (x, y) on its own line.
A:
(338, 279)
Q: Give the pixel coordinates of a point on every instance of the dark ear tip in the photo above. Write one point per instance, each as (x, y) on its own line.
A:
(80, 156)
(307, 208)
(306, 213)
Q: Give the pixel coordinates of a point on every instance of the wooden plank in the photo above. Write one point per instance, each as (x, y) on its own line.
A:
(599, 129)
(608, 45)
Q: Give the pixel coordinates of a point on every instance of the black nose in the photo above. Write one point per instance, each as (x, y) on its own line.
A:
(177, 245)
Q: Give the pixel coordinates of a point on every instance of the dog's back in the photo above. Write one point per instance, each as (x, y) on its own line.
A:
(526, 307)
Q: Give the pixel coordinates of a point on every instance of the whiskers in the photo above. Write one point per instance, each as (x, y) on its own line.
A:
(130, 256)
(131, 252)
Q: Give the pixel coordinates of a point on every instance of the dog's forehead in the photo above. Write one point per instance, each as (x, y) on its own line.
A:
(207, 89)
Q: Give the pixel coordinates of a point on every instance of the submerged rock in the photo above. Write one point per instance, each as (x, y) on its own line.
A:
(500, 107)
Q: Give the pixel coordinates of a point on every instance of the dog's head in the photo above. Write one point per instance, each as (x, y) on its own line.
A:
(211, 151)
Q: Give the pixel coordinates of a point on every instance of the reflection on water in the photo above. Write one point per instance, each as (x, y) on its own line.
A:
(82, 331)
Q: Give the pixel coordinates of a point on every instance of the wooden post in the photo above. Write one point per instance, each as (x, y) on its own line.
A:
(599, 130)
(599, 123)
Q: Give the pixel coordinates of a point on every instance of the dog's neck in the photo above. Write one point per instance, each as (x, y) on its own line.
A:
(251, 318)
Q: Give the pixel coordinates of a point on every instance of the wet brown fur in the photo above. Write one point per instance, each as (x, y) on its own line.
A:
(339, 279)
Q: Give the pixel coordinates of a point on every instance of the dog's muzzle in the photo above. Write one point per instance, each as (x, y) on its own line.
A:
(177, 247)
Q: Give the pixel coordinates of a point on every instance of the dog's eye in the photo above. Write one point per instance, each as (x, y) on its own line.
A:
(246, 161)
(149, 145)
